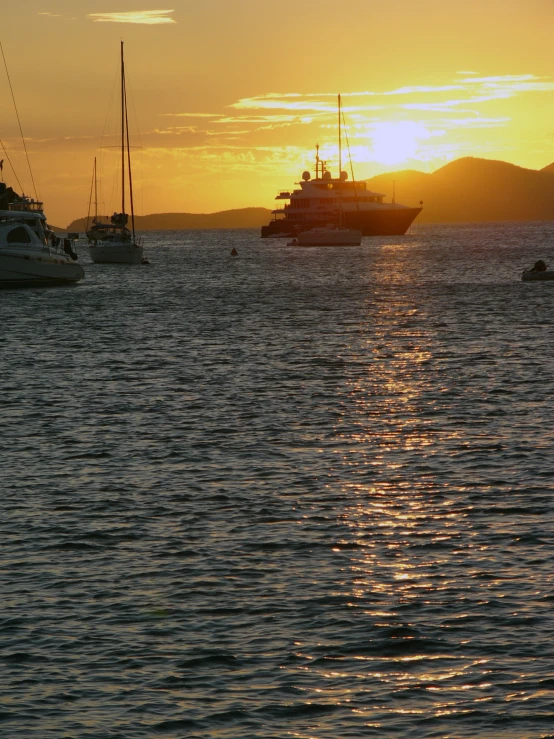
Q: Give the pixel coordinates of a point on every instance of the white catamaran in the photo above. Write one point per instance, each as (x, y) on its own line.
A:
(114, 242)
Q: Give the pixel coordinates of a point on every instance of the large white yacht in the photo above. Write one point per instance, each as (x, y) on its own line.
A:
(327, 199)
(30, 253)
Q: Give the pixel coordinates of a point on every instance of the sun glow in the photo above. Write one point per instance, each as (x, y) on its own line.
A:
(395, 143)
(215, 136)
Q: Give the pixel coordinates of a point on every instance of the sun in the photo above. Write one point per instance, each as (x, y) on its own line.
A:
(395, 142)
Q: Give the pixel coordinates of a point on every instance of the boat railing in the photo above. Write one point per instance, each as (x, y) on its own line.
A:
(34, 247)
(25, 206)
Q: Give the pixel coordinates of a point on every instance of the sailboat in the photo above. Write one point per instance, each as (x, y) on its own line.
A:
(114, 242)
(331, 234)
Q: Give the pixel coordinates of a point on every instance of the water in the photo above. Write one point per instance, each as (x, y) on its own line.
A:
(292, 493)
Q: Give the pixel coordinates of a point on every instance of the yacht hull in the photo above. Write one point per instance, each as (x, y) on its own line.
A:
(375, 222)
(114, 253)
(30, 270)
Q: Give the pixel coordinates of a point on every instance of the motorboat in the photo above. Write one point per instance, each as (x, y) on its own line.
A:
(329, 235)
(530, 276)
(31, 254)
(280, 235)
(539, 271)
(112, 242)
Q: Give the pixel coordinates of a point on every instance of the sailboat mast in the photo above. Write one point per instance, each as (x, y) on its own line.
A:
(340, 145)
(95, 193)
(122, 131)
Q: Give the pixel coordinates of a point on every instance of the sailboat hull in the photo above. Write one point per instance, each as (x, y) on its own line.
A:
(114, 253)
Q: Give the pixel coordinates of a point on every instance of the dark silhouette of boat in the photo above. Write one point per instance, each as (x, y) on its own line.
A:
(326, 200)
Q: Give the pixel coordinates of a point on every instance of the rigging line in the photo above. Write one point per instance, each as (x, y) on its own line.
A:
(19, 122)
(11, 165)
(129, 170)
(90, 196)
(351, 165)
(108, 124)
(129, 94)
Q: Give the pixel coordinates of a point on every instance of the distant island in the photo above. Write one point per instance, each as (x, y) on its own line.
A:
(238, 218)
(467, 190)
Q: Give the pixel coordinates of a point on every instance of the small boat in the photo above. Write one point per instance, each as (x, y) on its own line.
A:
(113, 242)
(539, 271)
(280, 236)
(529, 276)
(328, 236)
(30, 252)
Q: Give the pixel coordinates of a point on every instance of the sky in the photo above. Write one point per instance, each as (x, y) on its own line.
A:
(228, 98)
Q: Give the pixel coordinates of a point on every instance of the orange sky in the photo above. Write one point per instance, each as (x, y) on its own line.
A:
(229, 97)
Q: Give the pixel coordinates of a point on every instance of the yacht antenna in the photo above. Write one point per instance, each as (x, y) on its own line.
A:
(394, 191)
(340, 145)
(351, 166)
(20, 129)
(317, 161)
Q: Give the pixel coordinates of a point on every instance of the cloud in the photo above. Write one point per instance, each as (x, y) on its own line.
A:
(51, 15)
(472, 89)
(191, 115)
(144, 17)
(468, 113)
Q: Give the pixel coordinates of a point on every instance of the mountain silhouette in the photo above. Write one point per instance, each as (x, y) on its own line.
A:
(473, 190)
(465, 190)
